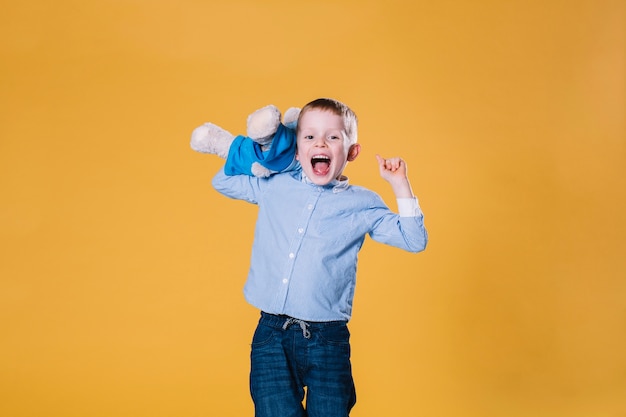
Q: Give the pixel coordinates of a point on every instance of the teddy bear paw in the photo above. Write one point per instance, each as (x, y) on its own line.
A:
(260, 171)
(212, 139)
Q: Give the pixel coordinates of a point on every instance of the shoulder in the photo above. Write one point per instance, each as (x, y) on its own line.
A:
(285, 177)
(362, 192)
(283, 181)
(363, 198)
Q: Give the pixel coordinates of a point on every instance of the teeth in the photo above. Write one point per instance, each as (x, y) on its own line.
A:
(321, 157)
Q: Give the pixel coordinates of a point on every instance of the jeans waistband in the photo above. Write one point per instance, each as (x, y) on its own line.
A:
(284, 322)
(279, 320)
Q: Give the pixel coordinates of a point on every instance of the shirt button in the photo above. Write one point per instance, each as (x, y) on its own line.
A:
(310, 206)
(291, 255)
(300, 230)
(285, 280)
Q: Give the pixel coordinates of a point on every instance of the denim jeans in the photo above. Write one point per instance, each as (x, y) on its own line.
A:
(288, 355)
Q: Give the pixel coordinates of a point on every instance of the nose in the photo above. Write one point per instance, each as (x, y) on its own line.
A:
(320, 142)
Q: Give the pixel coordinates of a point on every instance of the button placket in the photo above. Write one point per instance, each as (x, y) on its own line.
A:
(296, 242)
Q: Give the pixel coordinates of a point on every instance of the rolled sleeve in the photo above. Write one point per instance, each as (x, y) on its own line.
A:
(409, 207)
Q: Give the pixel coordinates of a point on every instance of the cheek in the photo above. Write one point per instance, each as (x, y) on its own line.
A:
(298, 148)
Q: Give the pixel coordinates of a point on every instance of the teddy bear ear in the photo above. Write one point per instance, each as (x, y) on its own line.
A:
(291, 117)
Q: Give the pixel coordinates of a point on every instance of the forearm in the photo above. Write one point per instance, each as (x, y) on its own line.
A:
(401, 187)
(408, 206)
(404, 230)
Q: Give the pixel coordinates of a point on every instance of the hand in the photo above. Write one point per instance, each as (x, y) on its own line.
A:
(394, 171)
(391, 168)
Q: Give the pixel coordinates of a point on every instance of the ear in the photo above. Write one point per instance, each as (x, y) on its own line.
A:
(353, 152)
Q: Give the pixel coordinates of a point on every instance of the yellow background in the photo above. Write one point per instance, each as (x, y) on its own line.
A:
(121, 268)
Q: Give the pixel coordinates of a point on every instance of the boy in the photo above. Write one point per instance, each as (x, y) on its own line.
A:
(311, 225)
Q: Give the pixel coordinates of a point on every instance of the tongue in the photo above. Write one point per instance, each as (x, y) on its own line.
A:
(321, 168)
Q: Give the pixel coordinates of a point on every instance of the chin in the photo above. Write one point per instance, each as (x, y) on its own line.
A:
(319, 180)
(326, 182)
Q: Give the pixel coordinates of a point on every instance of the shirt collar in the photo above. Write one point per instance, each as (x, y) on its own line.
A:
(337, 185)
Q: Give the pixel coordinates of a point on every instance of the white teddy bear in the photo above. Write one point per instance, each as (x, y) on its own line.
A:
(268, 148)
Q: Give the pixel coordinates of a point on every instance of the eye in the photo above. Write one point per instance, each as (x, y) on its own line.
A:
(333, 137)
(308, 137)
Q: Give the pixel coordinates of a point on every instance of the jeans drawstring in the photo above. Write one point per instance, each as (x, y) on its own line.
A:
(303, 325)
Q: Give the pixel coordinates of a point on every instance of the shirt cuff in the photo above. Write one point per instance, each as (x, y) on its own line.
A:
(409, 207)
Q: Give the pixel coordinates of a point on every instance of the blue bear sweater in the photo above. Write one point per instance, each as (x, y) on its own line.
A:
(281, 156)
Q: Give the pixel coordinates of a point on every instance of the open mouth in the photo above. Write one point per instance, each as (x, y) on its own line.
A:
(320, 164)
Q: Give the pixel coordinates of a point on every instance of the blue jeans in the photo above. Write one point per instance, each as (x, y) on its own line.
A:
(288, 355)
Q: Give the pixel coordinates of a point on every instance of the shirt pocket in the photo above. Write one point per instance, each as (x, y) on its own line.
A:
(336, 226)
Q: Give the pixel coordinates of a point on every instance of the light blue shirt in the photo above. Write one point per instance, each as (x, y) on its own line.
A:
(307, 237)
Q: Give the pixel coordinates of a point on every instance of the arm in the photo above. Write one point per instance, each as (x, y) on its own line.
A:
(394, 171)
(411, 220)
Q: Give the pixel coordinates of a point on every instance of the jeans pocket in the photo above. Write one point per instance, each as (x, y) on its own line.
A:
(262, 335)
(335, 335)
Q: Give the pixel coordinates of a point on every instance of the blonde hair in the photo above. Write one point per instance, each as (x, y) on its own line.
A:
(328, 104)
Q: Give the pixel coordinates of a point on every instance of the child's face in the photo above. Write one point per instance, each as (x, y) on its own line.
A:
(322, 146)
